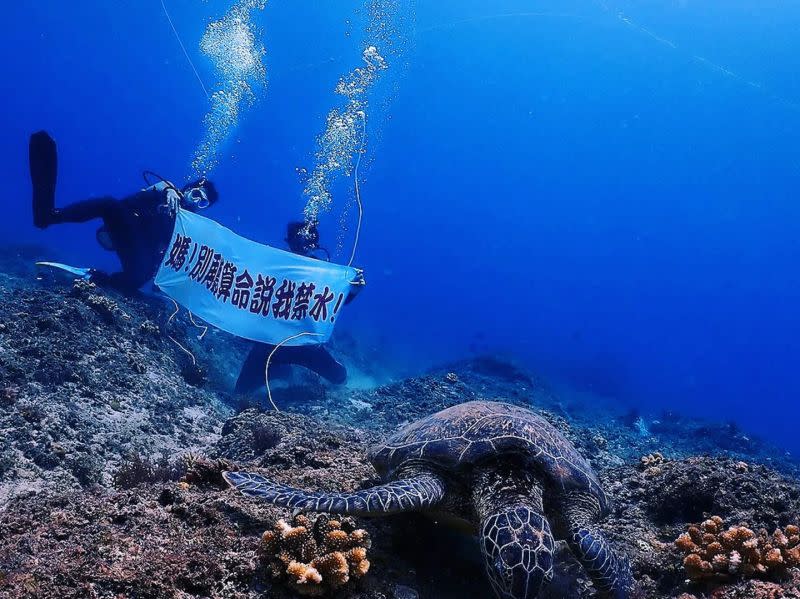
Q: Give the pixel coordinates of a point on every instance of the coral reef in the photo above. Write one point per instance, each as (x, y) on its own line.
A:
(651, 511)
(98, 406)
(689, 490)
(651, 460)
(759, 589)
(87, 382)
(92, 296)
(715, 552)
(315, 557)
(137, 469)
(150, 542)
(650, 464)
(191, 538)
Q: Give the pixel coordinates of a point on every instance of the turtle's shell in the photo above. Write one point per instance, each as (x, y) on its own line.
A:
(456, 439)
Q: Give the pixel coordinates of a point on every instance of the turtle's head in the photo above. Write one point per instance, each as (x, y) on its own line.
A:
(518, 546)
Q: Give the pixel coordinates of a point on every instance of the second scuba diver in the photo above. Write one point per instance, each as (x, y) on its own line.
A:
(303, 240)
(138, 227)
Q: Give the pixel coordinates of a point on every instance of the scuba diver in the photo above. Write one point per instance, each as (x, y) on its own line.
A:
(303, 240)
(138, 228)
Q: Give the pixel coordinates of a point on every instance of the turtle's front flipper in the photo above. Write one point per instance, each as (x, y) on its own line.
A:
(419, 492)
(609, 571)
(515, 536)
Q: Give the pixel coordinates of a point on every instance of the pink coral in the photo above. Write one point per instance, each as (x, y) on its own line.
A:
(711, 551)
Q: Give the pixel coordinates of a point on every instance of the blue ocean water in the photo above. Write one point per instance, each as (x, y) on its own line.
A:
(606, 191)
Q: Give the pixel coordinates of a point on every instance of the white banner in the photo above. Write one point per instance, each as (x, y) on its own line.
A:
(249, 289)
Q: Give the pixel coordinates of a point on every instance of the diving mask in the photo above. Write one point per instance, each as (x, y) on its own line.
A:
(197, 198)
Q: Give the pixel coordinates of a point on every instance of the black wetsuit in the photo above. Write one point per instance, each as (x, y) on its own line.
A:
(314, 357)
(139, 226)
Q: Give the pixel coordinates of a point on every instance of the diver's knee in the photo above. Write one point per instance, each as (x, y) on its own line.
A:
(338, 376)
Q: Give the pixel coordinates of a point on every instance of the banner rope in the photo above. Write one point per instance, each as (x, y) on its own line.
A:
(357, 188)
(185, 53)
(175, 341)
(199, 326)
(269, 359)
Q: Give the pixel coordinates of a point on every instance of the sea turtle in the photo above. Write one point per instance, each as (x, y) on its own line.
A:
(497, 465)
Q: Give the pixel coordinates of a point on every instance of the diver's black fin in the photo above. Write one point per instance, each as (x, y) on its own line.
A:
(43, 158)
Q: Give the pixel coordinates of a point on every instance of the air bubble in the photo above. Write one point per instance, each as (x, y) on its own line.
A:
(231, 45)
(344, 135)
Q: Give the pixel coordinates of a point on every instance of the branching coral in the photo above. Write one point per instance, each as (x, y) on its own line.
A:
(106, 307)
(714, 552)
(651, 460)
(651, 464)
(315, 557)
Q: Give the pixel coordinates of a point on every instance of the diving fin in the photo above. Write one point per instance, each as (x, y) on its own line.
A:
(43, 158)
(81, 273)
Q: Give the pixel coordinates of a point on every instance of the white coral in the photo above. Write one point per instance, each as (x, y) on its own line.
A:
(734, 562)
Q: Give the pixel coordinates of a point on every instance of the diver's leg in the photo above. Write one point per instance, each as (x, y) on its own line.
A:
(43, 159)
(252, 375)
(86, 210)
(317, 359)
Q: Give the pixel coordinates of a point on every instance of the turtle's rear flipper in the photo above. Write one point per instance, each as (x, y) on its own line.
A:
(405, 495)
(43, 158)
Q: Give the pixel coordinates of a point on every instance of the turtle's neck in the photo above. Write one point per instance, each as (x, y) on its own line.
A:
(500, 486)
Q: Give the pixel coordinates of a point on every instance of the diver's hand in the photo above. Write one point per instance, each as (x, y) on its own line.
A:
(171, 203)
(356, 285)
(359, 280)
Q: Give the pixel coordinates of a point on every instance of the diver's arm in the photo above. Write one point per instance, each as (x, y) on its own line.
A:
(356, 286)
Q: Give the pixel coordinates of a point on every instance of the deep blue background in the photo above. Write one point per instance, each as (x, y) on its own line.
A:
(588, 195)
